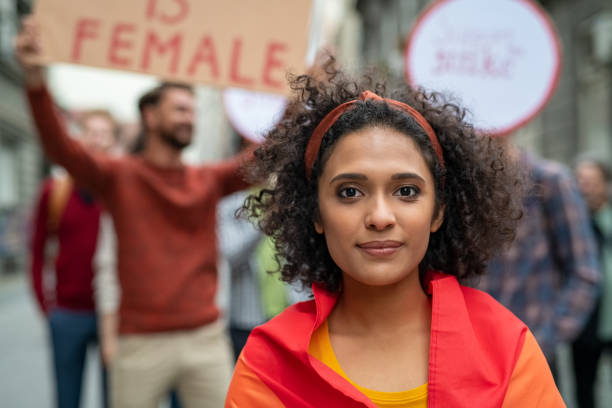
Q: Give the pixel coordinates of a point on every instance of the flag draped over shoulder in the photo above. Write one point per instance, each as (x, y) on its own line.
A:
(480, 355)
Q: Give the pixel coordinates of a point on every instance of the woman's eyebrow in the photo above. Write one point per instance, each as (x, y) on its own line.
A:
(403, 176)
(359, 176)
(349, 176)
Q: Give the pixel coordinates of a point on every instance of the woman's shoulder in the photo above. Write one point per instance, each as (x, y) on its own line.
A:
(483, 306)
(486, 332)
(532, 379)
(477, 306)
(248, 390)
(291, 325)
(264, 356)
(275, 369)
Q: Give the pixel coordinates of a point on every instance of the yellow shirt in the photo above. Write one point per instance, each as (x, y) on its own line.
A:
(320, 348)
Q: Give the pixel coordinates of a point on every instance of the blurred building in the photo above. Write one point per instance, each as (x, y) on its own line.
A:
(20, 158)
(579, 116)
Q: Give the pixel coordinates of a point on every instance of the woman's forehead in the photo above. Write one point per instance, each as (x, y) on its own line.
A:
(376, 150)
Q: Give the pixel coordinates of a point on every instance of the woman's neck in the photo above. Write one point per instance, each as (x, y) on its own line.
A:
(363, 309)
(388, 328)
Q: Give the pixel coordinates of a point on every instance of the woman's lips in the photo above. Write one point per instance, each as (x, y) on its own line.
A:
(380, 248)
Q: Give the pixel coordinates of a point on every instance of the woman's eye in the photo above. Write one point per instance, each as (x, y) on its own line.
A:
(407, 191)
(349, 192)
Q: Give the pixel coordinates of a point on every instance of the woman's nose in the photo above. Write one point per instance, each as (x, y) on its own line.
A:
(380, 215)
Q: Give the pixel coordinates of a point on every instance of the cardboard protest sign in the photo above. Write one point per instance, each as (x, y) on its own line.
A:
(501, 58)
(240, 43)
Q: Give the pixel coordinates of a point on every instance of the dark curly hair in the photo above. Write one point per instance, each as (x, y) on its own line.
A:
(481, 192)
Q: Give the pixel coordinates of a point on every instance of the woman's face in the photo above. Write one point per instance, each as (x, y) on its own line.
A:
(376, 202)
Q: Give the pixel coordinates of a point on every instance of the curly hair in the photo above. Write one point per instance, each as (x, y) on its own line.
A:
(481, 192)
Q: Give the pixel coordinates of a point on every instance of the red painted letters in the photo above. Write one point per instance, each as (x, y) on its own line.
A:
(235, 65)
(118, 42)
(273, 63)
(205, 53)
(180, 12)
(85, 28)
(151, 49)
(153, 42)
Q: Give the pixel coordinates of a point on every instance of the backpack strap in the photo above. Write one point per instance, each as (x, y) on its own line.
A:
(58, 198)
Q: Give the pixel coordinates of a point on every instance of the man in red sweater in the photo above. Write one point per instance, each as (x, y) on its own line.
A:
(68, 213)
(164, 216)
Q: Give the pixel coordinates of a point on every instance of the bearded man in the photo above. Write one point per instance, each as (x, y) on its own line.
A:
(170, 334)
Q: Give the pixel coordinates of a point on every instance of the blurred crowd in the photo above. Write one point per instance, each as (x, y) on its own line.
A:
(129, 244)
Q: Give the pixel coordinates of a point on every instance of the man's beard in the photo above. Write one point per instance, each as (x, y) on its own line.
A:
(169, 137)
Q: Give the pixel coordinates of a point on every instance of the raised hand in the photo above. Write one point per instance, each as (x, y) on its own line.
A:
(28, 52)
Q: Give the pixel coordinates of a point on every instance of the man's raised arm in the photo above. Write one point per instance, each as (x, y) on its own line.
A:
(89, 171)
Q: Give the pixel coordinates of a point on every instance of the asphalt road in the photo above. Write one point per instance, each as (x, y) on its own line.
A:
(25, 361)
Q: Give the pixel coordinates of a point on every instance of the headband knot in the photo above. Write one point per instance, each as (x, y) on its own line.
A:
(365, 95)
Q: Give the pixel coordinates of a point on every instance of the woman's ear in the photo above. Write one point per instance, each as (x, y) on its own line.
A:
(436, 223)
(316, 221)
(318, 227)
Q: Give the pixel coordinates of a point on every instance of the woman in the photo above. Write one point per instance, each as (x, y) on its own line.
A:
(382, 202)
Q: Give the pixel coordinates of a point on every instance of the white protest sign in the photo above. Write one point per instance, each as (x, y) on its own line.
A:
(500, 57)
(253, 114)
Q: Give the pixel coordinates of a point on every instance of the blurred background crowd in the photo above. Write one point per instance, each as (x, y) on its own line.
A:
(573, 129)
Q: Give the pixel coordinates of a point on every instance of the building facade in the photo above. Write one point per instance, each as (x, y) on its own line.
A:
(580, 112)
(21, 164)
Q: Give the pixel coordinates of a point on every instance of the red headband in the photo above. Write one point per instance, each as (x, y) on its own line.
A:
(314, 144)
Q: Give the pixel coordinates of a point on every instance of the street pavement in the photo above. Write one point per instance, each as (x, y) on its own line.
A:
(25, 361)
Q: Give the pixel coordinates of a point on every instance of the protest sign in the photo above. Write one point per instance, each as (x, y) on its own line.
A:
(500, 58)
(253, 114)
(239, 43)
